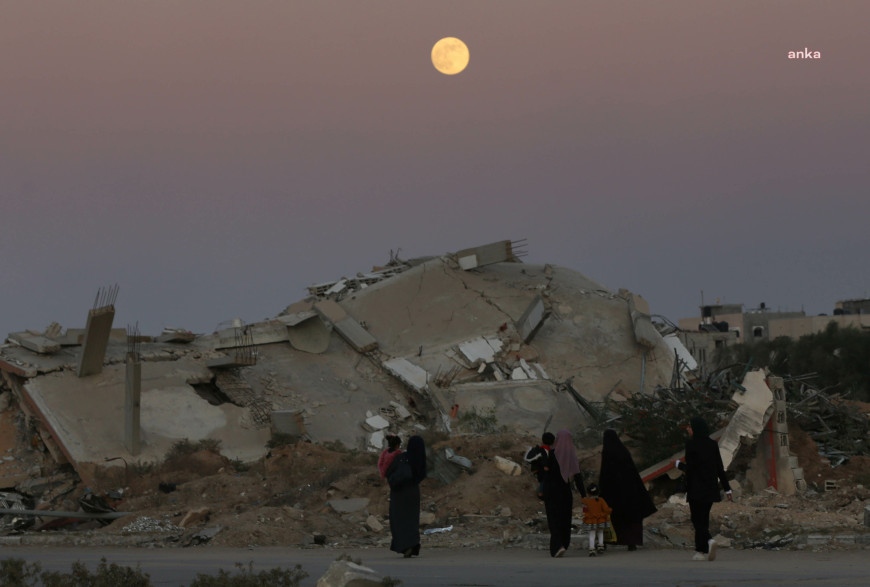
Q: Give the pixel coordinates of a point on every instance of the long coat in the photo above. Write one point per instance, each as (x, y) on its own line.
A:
(704, 470)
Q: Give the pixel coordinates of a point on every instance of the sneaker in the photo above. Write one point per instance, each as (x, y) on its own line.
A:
(592, 552)
(560, 552)
(699, 556)
(711, 554)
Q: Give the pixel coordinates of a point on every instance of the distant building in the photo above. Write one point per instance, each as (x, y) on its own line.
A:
(762, 324)
(748, 325)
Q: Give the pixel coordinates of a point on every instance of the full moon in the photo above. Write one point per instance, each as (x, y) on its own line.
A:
(450, 55)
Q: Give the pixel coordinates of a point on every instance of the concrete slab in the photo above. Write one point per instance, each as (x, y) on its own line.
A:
(311, 334)
(267, 332)
(330, 311)
(531, 319)
(34, 342)
(754, 408)
(408, 373)
(357, 336)
(87, 415)
(522, 406)
(480, 349)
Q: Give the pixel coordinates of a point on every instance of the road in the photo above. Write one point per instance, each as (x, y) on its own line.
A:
(485, 567)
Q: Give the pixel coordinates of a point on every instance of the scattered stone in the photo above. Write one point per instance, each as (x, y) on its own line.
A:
(347, 574)
(374, 525)
(195, 517)
(507, 466)
(348, 506)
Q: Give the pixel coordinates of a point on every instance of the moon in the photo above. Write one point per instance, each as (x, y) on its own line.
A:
(450, 56)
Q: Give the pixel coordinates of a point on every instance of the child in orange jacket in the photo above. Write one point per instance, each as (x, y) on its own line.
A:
(596, 517)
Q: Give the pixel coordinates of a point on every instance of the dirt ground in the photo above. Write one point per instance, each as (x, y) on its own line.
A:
(314, 495)
(295, 497)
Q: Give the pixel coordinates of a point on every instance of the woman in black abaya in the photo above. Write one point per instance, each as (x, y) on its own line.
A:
(405, 500)
(620, 485)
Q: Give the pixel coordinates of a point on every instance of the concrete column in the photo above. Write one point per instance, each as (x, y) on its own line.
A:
(132, 404)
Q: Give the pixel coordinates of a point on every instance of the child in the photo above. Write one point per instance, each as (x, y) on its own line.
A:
(537, 456)
(596, 517)
(388, 454)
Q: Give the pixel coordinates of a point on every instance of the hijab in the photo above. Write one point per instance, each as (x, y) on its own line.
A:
(416, 454)
(566, 456)
(700, 429)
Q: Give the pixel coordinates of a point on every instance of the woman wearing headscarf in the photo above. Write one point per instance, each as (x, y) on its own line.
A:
(561, 468)
(405, 499)
(704, 472)
(620, 485)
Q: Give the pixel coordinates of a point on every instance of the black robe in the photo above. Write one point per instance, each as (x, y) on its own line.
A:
(620, 485)
(559, 503)
(405, 500)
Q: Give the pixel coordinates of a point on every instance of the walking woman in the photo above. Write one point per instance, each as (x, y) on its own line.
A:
(704, 471)
(621, 487)
(561, 469)
(404, 475)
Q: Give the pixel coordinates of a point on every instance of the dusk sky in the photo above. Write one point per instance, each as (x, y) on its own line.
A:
(215, 157)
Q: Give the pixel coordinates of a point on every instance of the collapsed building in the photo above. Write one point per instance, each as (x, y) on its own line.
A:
(415, 344)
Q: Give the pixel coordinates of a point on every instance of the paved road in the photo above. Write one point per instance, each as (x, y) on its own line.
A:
(485, 567)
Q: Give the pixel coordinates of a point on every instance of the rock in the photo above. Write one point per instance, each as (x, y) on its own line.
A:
(678, 498)
(507, 466)
(346, 574)
(194, 517)
(348, 506)
(456, 459)
(427, 518)
(374, 525)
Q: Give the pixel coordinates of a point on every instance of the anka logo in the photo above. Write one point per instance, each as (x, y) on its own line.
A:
(805, 54)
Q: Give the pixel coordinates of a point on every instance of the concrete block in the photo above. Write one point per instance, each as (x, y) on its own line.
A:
(531, 319)
(374, 525)
(518, 373)
(409, 373)
(357, 336)
(496, 252)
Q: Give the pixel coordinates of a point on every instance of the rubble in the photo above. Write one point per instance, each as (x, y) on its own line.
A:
(473, 350)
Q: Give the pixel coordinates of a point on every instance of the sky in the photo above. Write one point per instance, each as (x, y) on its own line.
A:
(213, 158)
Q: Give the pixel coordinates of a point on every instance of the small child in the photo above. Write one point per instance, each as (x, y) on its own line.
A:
(388, 454)
(537, 456)
(596, 517)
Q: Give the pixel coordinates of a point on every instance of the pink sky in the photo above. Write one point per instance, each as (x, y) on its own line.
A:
(216, 157)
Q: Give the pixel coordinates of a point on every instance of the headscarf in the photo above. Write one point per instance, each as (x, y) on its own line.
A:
(416, 453)
(566, 456)
(700, 429)
(619, 482)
